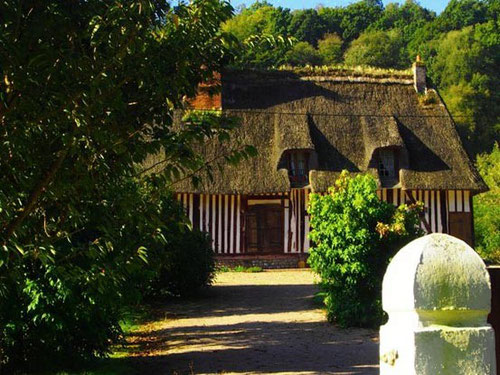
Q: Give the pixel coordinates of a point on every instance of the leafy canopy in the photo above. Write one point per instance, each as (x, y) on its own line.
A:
(376, 48)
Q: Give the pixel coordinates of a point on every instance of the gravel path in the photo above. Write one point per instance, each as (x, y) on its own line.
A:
(253, 323)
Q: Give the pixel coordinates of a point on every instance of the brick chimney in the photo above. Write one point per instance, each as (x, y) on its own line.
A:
(205, 99)
(419, 76)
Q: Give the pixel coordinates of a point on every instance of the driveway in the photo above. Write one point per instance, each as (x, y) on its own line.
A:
(252, 323)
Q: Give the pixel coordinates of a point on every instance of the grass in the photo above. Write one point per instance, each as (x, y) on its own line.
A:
(117, 363)
(342, 69)
(240, 269)
(104, 366)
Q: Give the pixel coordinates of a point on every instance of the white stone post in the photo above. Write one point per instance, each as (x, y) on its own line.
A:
(437, 293)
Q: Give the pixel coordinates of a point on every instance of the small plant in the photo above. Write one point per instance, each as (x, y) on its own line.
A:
(429, 98)
(223, 269)
(240, 269)
(355, 236)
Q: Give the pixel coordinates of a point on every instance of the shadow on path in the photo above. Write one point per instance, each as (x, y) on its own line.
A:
(243, 329)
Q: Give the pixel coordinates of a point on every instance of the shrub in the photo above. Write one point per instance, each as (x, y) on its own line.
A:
(330, 49)
(66, 302)
(186, 266)
(302, 54)
(376, 48)
(355, 235)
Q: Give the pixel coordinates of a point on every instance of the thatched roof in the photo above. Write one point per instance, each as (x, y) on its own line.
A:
(343, 120)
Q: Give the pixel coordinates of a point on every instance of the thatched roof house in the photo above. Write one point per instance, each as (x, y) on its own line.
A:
(390, 126)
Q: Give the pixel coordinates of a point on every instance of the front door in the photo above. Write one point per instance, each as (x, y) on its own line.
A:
(461, 226)
(264, 228)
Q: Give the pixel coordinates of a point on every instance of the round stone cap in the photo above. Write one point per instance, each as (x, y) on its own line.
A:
(441, 278)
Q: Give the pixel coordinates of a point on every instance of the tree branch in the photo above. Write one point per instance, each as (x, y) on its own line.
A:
(35, 194)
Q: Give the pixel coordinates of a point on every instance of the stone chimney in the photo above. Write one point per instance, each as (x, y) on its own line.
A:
(419, 76)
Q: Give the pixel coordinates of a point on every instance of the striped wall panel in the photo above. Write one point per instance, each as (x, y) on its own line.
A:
(219, 215)
(223, 216)
(437, 204)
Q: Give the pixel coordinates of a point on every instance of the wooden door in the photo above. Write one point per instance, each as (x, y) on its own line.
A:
(252, 233)
(264, 228)
(461, 226)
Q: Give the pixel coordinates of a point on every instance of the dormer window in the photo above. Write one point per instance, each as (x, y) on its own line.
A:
(298, 167)
(388, 166)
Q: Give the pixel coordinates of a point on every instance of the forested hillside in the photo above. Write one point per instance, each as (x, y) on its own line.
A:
(461, 48)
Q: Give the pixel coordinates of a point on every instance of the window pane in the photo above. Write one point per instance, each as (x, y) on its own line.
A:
(386, 163)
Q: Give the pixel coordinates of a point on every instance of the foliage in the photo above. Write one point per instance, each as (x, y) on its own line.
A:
(487, 208)
(462, 13)
(261, 33)
(87, 94)
(376, 48)
(186, 266)
(358, 16)
(306, 25)
(302, 53)
(355, 235)
(330, 49)
(463, 63)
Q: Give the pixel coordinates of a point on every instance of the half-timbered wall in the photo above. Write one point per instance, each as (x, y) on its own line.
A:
(220, 216)
(223, 216)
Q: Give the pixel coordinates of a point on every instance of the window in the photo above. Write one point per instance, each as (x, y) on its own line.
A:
(298, 167)
(387, 166)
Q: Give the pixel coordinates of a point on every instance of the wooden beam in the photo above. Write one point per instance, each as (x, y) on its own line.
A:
(421, 214)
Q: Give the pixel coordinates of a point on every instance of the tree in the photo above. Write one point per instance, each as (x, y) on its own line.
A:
(330, 49)
(301, 54)
(331, 18)
(487, 207)
(463, 64)
(355, 235)
(461, 13)
(259, 30)
(87, 95)
(258, 20)
(307, 26)
(376, 48)
(358, 16)
(408, 18)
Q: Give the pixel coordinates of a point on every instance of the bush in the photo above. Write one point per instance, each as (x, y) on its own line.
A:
(330, 49)
(355, 235)
(186, 266)
(302, 54)
(382, 49)
(66, 303)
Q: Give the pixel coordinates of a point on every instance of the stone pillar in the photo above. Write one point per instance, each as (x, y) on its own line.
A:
(437, 293)
(494, 317)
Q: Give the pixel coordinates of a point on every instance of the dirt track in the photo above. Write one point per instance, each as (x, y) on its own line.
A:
(253, 323)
